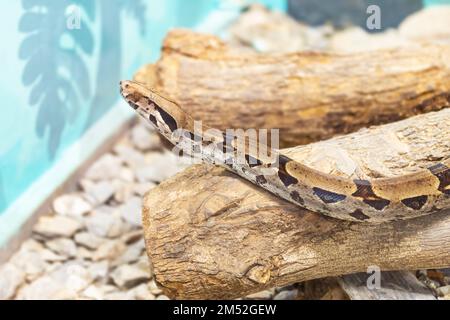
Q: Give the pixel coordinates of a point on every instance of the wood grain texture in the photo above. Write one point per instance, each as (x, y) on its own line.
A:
(209, 234)
(308, 96)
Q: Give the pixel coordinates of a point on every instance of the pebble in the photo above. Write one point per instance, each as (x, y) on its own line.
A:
(85, 254)
(286, 295)
(130, 156)
(143, 139)
(73, 276)
(98, 193)
(131, 211)
(262, 295)
(163, 166)
(130, 255)
(98, 270)
(120, 295)
(88, 240)
(30, 262)
(11, 278)
(132, 236)
(45, 288)
(105, 168)
(154, 289)
(142, 292)
(50, 256)
(123, 191)
(71, 205)
(443, 291)
(63, 247)
(142, 188)
(105, 222)
(128, 276)
(56, 226)
(93, 292)
(109, 250)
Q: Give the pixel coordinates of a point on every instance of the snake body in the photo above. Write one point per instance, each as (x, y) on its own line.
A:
(382, 199)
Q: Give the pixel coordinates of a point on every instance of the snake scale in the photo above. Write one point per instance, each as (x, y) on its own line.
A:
(382, 199)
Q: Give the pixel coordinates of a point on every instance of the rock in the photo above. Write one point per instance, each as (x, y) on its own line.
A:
(98, 193)
(109, 250)
(84, 254)
(443, 291)
(93, 292)
(130, 156)
(50, 256)
(73, 276)
(154, 289)
(133, 236)
(120, 295)
(355, 39)
(131, 211)
(142, 188)
(434, 23)
(286, 295)
(62, 246)
(142, 292)
(31, 245)
(88, 240)
(262, 295)
(123, 190)
(45, 288)
(30, 262)
(131, 254)
(71, 205)
(11, 278)
(105, 222)
(143, 139)
(158, 167)
(106, 168)
(56, 226)
(126, 175)
(128, 276)
(144, 265)
(98, 270)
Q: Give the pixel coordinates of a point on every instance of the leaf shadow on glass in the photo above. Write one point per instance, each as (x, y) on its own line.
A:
(109, 68)
(54, 67)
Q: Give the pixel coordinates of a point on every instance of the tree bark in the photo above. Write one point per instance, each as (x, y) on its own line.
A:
(308, 96)
(210, 234)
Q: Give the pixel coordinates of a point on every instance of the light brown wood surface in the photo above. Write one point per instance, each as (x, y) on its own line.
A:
(308, 96)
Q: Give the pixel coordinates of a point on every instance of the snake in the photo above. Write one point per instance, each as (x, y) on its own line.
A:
(377, 200)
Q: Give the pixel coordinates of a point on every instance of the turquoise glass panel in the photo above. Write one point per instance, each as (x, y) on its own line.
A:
(61, 61)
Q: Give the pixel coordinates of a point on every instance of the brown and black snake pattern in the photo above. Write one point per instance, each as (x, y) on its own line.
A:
(378, 200)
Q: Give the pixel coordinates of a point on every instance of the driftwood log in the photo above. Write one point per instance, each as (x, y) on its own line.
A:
(210, 234)
(308, 96)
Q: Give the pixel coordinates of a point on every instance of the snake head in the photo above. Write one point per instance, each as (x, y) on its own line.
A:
(162, 112)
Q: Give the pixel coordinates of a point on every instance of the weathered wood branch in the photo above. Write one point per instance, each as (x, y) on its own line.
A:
(308, 96)
(210, 234)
